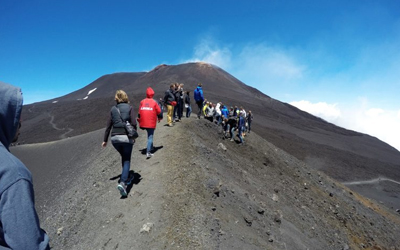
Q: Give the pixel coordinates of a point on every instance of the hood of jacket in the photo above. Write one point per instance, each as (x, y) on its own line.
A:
(149, 92)
(10, 112)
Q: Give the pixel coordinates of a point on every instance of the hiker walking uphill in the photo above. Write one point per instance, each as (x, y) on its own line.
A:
(19, 223)
(149, 113)
(169, 100)
(199, 98)
(122, 143)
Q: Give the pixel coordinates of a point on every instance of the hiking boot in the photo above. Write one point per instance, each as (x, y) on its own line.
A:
(149, 155)
(122, 189)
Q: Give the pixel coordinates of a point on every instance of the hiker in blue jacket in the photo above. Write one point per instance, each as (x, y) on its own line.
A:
(199, 98)
(19, 223)
(225, 112)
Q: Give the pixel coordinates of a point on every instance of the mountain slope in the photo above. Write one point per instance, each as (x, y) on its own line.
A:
(345, 155)
(196, 195)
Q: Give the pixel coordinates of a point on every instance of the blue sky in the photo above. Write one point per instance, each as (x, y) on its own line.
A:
(339, 60)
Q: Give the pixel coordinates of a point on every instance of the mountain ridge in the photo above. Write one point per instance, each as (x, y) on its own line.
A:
(343, 154)
(199, 191)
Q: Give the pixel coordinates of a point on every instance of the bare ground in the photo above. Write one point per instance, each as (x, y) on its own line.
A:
(194, 194)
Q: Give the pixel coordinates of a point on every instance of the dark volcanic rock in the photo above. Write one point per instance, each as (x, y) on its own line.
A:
(172, 202)
(342, 154)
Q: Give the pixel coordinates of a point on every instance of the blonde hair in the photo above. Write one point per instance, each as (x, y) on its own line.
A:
(121, 96)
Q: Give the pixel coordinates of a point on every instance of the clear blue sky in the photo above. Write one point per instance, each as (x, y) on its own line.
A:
(336, 59)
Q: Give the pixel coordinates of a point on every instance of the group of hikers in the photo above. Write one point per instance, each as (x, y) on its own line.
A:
(151, 112)
(233, 119)
(16, 180)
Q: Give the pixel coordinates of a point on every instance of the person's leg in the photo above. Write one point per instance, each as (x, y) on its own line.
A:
(190, 110)
(181, 109)
(249, 123)
(226, 129)
(175, 111)
(126, 161)
(217, 119)
(200, 106)
(241, 135)
(170, 114)
(231, 132)
(125, 150)
(150, 133)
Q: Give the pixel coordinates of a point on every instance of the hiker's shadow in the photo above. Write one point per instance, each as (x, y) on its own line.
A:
(135, 181)
(155, 149)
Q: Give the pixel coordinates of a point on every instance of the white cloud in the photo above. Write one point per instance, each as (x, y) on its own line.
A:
(328, 112)
(288, 74)
(208, 51)
(383, 124)
(254, 64)
(266, 62)
(374, 113)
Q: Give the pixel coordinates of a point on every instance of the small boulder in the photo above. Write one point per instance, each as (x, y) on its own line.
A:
(221, 146)
(59, 231)
(278, 216)
(146, 227)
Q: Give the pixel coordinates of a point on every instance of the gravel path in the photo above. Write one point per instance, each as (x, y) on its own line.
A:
(199, 191)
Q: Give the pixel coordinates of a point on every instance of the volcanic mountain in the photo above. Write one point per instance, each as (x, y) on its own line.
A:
(298, 182)
(363, 162)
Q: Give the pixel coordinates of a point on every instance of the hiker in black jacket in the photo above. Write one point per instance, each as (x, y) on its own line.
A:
(188, 104)
(230, 125)
(177, 99)
(249, 118)
(169, 100)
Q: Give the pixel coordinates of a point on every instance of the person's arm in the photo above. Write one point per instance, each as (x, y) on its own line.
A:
(133, 120)
(19, 219)
(158, 109)
(107, 132)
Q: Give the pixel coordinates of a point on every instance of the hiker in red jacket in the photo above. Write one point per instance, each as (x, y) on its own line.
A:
(149, 113)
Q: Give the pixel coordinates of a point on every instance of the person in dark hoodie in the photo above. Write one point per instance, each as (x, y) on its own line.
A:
(169, 100)
(19, 223)
(149, 112)
(119, 138)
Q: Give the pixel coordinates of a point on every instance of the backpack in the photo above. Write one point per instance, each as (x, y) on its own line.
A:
(130, 130)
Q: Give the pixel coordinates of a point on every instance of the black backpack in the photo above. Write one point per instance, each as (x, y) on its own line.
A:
(130, 130)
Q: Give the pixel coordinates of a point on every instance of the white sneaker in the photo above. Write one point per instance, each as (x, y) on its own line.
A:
(149, 155)
(122, 189)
